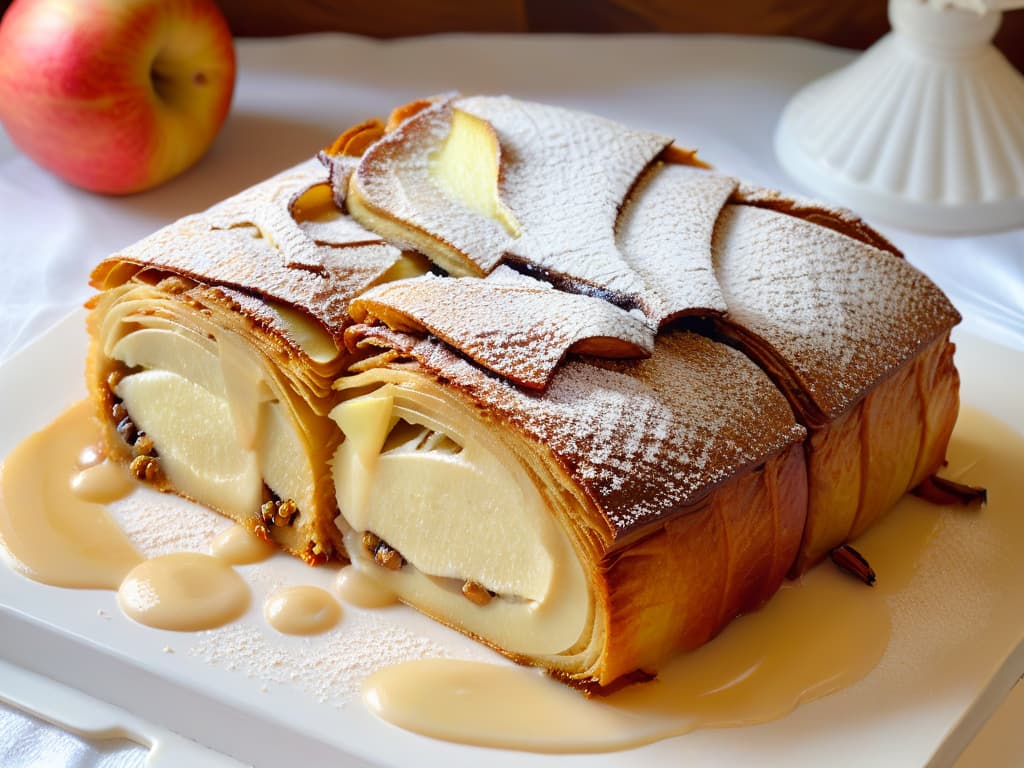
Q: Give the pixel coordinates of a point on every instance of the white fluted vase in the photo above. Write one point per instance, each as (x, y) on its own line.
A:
(925, 130)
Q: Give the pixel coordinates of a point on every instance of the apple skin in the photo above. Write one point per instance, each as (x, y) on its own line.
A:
(115, 96)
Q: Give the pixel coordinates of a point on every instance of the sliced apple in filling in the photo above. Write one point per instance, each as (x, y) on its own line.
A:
(472, 181)
(179, 399)
(235, 316)
(628, 511)
(474, 541)
(224, 421)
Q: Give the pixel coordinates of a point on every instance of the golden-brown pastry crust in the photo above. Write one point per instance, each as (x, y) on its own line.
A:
(694, 480)
(827, 316)
(858, 340)
(689, 483)
(889, 442)
(687, 580)
(519, 328)
(251, 243)
(841, 220)
(643, 439)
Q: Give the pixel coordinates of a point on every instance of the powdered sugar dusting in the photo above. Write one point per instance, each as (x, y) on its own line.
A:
(837, 314)
(505, 275)
(159, 524)
(329, 667)
(565, 175)
(665, 234)
(394, 178)
(251, 242)
(643, 439)
(339, 169)
(342, 230)
(834, 217)
(519, 330)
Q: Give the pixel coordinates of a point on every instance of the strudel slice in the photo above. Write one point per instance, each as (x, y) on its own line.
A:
(626, 398)
(628, 511)
(215, 343)
(857, 339)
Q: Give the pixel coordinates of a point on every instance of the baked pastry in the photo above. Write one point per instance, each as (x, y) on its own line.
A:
(630, 511)
(553, 380)
(214, 345)
(859, 341)
(856, 338)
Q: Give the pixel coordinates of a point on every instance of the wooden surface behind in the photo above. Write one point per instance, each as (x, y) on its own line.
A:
(847, 23)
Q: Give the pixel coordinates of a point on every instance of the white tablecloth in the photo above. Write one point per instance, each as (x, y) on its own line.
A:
(722, 95)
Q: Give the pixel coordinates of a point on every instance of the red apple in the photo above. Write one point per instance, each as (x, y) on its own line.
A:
(115, 96)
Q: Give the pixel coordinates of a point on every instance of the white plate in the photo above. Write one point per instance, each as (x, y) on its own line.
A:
(272, 700)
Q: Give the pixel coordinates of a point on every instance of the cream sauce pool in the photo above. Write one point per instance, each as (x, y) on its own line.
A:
(814, 637)
(53, 534)
(240, 546)
(183, 591)
(301, 610)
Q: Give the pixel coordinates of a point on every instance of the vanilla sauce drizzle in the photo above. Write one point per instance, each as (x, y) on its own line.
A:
(817, 635)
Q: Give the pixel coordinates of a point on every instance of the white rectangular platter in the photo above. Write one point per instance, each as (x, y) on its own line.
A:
(267, 699)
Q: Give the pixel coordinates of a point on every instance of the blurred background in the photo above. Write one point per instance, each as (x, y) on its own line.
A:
(847, 23)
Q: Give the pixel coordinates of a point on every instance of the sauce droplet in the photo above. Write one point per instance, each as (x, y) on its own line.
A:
(53, 535)
(302, 610)
(184, 591)
(102, 482)
(362, 590)
(473, 702)
(240, 546)
(812, 638)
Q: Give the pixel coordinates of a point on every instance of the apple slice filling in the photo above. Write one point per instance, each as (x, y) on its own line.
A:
(467, 167)
(471, 182)
(218, 422)
(219, 432)
(440, 511)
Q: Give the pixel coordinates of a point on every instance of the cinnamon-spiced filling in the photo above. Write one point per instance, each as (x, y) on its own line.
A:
(447, 517)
